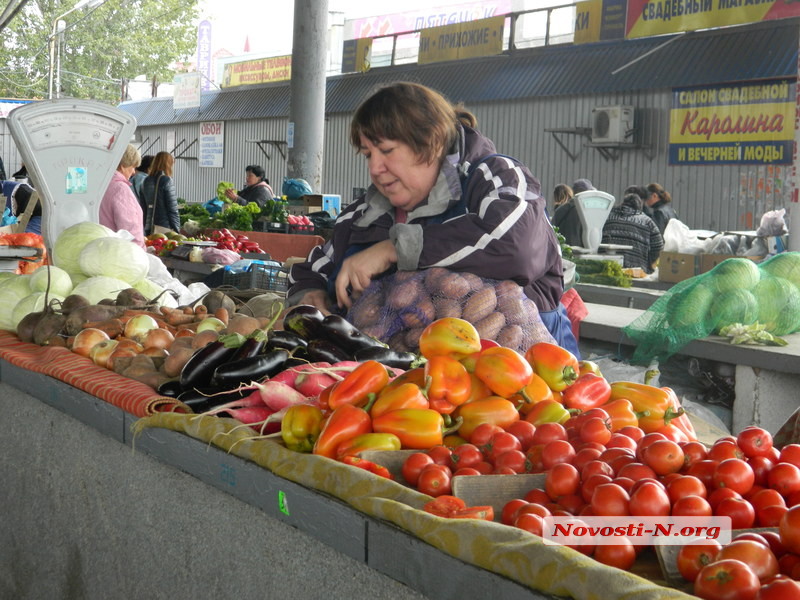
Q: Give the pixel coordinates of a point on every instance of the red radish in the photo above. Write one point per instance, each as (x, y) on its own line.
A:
(253, 416)
(276, 395)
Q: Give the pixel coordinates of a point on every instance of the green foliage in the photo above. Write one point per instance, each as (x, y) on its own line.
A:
(222, 187)
(235, 217)
(102, 47)
(601, 272)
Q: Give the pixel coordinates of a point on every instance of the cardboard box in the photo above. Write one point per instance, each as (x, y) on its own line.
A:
(676, 266)
(709, 261)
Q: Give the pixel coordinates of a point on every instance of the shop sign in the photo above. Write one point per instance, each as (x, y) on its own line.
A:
(745, 123)
(461, 40)
(261, 70)
(187, 92)
(599, 21)
(212, 145)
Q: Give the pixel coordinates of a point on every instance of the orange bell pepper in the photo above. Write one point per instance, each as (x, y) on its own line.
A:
(643, 397)
(407, 395)
(368, 441)
(588, 366)
(621, 414)
(536, 391)
(556, 365)
(504, 370)
(368, 465)
(449, 336)
(494, 409)
(682, 421)
(447, 383)
(417, 428)
(361, 384)
(478, 390)
(588, 391)
(547, 411)
(344, 423)
(415, 376)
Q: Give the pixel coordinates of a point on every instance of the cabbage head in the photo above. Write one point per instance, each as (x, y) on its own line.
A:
(12, 290)
(778, 305)
(150, 290)
(732, 274)
(60, 281)
(114, 257)
(99, 288)
(34, 302)
(72, 240)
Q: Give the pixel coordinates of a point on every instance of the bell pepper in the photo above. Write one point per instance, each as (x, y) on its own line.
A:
(415, 376)
(301, 426)
(681, 421)
(368, 441)
(449, 336)
(343, 424)
(368, 465)
(643, 397)
(556, 365)
(359, 386)
(621, 414)
(588, 366)
(452, 440)
(417, 428)
(477, 389)
(447, 383)
(588, 391)
(547, 411)
(504, 370)
(407, 395)
(536, 391)
(494, 409)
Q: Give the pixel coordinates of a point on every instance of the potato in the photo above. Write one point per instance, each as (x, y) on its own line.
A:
(474, 281)
(411, 339)
(434, 276)
(367, 310)
(447, 307)
(404, 294)
(242, 324)
(511, 336)
(420, 314)
(489, 327)
(480, 305)
(453, 286)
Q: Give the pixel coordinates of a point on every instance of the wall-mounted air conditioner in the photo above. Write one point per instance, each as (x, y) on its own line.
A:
(612, 124)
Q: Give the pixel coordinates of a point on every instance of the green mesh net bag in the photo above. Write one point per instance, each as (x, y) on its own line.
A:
(396, 308)
(737, 290)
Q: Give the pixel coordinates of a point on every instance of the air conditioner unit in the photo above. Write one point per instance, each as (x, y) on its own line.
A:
(612, 124)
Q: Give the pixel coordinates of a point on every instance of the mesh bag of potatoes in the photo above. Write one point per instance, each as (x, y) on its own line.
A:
(397, 307)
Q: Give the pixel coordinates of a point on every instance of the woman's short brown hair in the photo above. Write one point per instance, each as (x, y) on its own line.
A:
(163, 161)
(410, 113)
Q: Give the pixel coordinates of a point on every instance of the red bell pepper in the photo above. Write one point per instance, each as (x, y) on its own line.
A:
(504, 370)
(447, 383)
(407, 395)
(417, 428)
(588, 391)
(368, 465)
(682, 421)
(359, 386)
(344, 423)
(556, 365)
(494, 410)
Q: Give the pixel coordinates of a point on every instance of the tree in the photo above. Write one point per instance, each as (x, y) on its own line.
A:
(103, 47)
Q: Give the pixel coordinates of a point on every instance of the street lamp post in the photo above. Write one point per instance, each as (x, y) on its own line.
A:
(54, 73)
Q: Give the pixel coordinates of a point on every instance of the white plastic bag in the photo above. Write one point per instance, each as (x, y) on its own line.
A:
(679, 238)
(773, 223)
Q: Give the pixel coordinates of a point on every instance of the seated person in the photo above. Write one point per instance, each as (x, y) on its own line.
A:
(256, 190)
(628, 225)
(566, 216)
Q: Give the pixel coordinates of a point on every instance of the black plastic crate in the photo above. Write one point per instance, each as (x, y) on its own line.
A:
(264, 226)
(258, 276)
(303, 229)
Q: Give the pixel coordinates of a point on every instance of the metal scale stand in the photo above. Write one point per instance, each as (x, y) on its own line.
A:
(593, 208)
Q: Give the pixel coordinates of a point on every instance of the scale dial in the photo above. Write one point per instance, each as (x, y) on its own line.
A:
(70, 128)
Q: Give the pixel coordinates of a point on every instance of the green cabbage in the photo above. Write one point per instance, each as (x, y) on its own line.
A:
(72, 240)
(114, 257)
(150, 290)
(734, 306)
(12, 290)
(60, 281)
(732, 274)
(690, 308)
(785, 264)
(778, 305)
(99, 288)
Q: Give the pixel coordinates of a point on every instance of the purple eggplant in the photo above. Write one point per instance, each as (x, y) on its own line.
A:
(199, 369)
(254, 368)
(347, 336)
(304, 320)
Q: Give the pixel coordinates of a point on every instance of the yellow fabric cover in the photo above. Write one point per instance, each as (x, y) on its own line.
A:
(505, 550)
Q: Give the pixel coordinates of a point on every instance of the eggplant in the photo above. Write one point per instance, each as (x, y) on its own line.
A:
(199, 369)
(294, 361)
(254, 368)
(326, 351)
(202, 400)
(288, 340)
(304, 320)
(347, 336)
(252, 346)
(388, 357)
(170, 389)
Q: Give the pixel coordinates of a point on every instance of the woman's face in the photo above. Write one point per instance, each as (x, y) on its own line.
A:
(250, 178)
(127, 171)
(397, 173)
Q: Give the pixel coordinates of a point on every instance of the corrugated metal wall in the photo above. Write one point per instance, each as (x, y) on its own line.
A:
(8, 150)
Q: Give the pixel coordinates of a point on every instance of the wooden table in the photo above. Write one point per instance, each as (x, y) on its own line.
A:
(281, 246)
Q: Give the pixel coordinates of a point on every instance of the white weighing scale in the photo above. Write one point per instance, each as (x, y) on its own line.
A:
(593, 208)
(70, 148)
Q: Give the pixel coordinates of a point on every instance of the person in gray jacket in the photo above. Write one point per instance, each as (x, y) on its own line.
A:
(441, 196)
(161, 201)
(628, 225)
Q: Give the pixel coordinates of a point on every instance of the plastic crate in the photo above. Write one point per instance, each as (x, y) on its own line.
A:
(258, 276)
(303, 229)
(266, 227)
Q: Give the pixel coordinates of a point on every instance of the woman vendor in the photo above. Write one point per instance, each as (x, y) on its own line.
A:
(441, 196)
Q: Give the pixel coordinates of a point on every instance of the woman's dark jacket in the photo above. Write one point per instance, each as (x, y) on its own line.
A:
(165, 205)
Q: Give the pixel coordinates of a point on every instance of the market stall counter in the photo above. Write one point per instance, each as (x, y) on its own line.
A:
(92, 488)
(281, 246)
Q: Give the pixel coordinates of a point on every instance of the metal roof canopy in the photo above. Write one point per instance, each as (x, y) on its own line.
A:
(743, 53)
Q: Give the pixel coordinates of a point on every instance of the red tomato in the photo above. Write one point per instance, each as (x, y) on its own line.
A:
(529, 522)
(691, 506)
(770, 516)
(752, 536)
(774, 540)
(726, 580)
(663, 456)
(734, 473)
(483, 433)
(413, 465)
(635, 433)
(435, 480)
(547, 432)
(561, 480)
(693, 557)
(588, 485)
(466, 471)
(503, 471)
(534, 508)
(704, 471)
(441, 455)
(620, 461)
(685, 485)
(693, 452)
(649, 499)
(637, 471)
(484, 467)
(510, 509)
(724, 449)
(583, 457)
(793, 499)
(534, 455)
(514, 460)
(755, 555)
(620, 440)
(779, 589)
(621, 555)
(523, 431)
(789, 528)
(537, 496)
(595, 430)
(572, 503)
(610, 499)
(784, 477)
(593, 467)
(500, 443)
(790, 453)
(718, 495)
(465, 455)
(646, 440)
(787, 562)
(739, 510)
(626, 483)
(754, 441)
(766, 497)
(761, 466)
(557, 451)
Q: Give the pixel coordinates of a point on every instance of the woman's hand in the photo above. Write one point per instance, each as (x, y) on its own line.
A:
(318, 298)
(358, 270)
(231, 194)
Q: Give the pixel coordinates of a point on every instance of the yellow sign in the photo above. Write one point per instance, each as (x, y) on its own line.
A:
(587, 21)
(356, 55)
(749, 123)
(461, 40)
(657, 17)
(262, 70)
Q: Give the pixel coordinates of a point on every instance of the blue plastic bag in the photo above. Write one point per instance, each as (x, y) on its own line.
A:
(213, 206)
(8, 218)
(294, 189)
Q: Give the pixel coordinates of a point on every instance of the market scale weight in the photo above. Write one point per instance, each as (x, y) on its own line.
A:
(71, 149)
